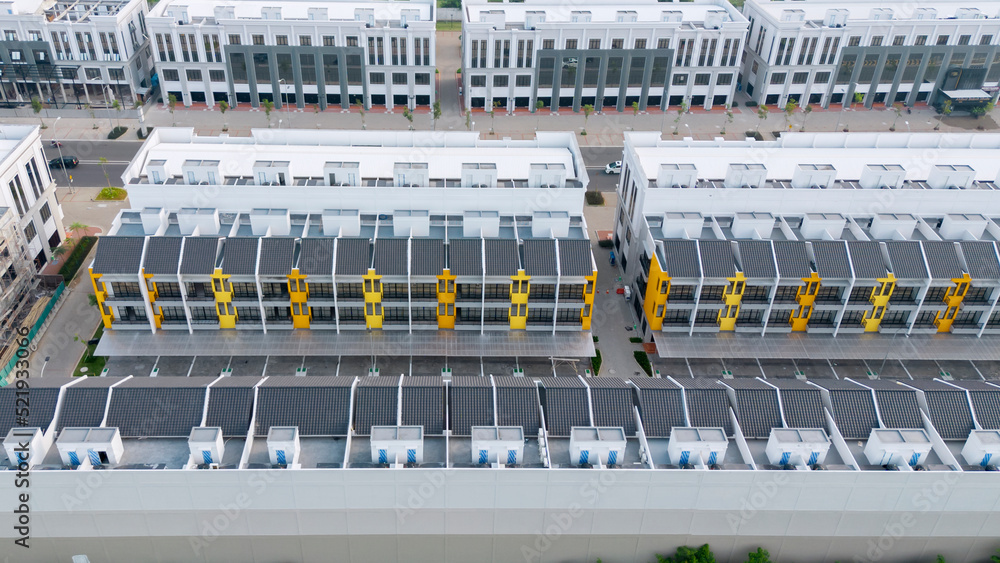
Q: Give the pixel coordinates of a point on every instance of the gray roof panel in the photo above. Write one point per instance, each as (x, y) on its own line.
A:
(942, 259)
(148, 407)
(200, 254)
(353, 256)
(377, 403)
(661, 405)
(793, 258)
(239, 256)
(465, 256)
(717, 260)
(163, 255)
(612, 399)
(276, 255)
(866, 257)
(564, 400)
(575, 258)
(853, 408)
(831, 259)
(318, 405)
(756, 407)
(423, 403)
(502, 257)
(42, 405)
(470, 403)
(118, 255)
(981, 258)
(316, 256)
(517, 403)
(426, 256)
(391, 256)
(707, 403)
(540, 257)
(907, 259)
(681, 258)
(757, 258)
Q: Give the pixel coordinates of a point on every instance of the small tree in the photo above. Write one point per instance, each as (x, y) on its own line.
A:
(90, 110)
(789, 109)
(982, 110)
(493, 108)
(223, 108)
(680, 113)
(435, 113)
(171, 104)
(946, 107)
(468, 121)
(761, 116)
(104, 162)
(858, 98)
(729, 117)
(36, 106)
(409, 116)
(77, 227)
(59, 251)
(539, 104)
(118, 109)
(268, 106)
(806, 110)
(361, 110)
(759, 556)
(635, 114)
(898, 109)
(92, 299)
(587, 109)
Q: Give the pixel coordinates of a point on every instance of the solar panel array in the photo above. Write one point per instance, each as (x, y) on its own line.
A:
(517, 403)
(40, 403)
(377, 403)
(661, 406)
(230, 405)
(83, 406)
(853, 408)
(897, 405)
(985, 403)
(757, 407)
(470, 403)
(318, 405)
(423, 403)
(564, 400)
(148, 407)
(612, 399)
(948, 408)
(801, 403)
(707, 404)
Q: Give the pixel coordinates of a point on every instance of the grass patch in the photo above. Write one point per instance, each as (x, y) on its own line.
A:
(94, 364)
(449, 26)
(117, 132)
(112, 194)
(595, 362)
(643, 361)
(76, 257)
(635, 340)
(595, 198)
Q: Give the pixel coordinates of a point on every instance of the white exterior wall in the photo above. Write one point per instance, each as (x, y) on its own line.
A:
(19, 144)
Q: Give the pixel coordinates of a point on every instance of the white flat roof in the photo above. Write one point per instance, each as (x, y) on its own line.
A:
(292, 9)
(849, 153)
(862, 10)
(11, 137)
(603, 12)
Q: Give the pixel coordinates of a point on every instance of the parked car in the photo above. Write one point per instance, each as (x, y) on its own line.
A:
(613, 167)
(64, 162)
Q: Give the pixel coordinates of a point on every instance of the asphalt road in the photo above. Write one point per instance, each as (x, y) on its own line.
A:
(597, 158)
(89, 173)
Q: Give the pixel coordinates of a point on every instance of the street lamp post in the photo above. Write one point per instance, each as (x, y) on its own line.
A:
(62, 164)
(907, 126)
(284, 102)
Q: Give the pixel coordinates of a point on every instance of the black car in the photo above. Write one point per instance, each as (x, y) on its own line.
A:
(64, 162)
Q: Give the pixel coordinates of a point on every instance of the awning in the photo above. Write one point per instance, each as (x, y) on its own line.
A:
(966, 95)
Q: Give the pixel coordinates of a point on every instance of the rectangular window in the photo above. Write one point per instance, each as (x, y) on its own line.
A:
(724, 79)
(636, 70)
(237, 62)
(261, 68)
(329, 41)
(986, 40)
(707, 52)
(169, 74)
(617, 43)
(680, 80)
(284, 62)
(659, 75)
(399, 78)
(29, 232)
(380, 50)
(522, 80)
(45, 212)
(702, 79)
(500, 81)
(281, 40)
(421, 79)
(34, 179)
(920, 40)
(234, 39)
(402, 51)
(497, 52)
(877, 41)
(800, 77)
(371, 50)
(475, 54)
(778, 78)
(305, 40)
(854, 41)
(640, 43)
(571, 44)
(477, 80)
(21, 204)
(352, 41)
(307, 66)
(942, 40)
(257, 39)
(331, 69)
(889, 70)
(613, 76)
(594, 44)
(394, 45)
(898, 40)
(376, 78)
(964, 39)
(548, 44)
(193, 74)
(217, 75)
(664, 43)
(821, 78)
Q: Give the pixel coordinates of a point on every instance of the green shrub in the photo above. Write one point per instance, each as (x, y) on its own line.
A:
(595, 362)
(750, 104)
(606, 243)
(595, 198)
(643, 360)
(112, 194)
(76, 258)
(117, 132)
(635, 340)
(595, 337)
(735, 104)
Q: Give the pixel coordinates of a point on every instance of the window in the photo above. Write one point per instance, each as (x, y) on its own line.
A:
(854, 41)
(281, 40)
(169, 74)
(724, 79)
(640, 43)
(261, 68)
(376, 78)
(34, 178)
(477, 80)
(500, 81)
(305, 40)
(329, 41)
(331, 70)
(548, 44)
(257, 39)
(15, 191)
(778, 78)
(898, 40)
(95, 74)
(45, 212)
(964, 39)
(701, 79)
(877, 41)
(117, 74)
(920, 40)
(754, 68)
(352, 41)
(571, 43)
(800, 77)
(307, 64)
(680, 80)
(618, 43)
(193, 74)
(522, 80)
(663, 43)
(822, 78)
(239, 65)
(942, 40)
(29, 231)
(234, 39)
(986, 40)
(217, 75)
(421, 79)
(399, 78)
(594, 44)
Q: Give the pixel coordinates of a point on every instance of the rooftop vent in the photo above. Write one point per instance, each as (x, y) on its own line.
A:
(682, 225)
(791, 15)
(276, 222)
(797, 446)
(497, 444)
(926, 13)
(672, 175)
(271, 173)
(152, 219)
(479, 175)
(753, 225)
(813, 175)
(17, 454)
(547, 175)
(893, 226)
(599, 446)
(341, 173)
(715, 18)
(960, 226)
(982, 448)
(397, 445)
(697, 446)
(836, 17)
(948, 176)
(90, 447)
(745, 176)
(410, 174)
(201, 172)
(897, 447)
(875, 176)
(206, 445)
(550, 224)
